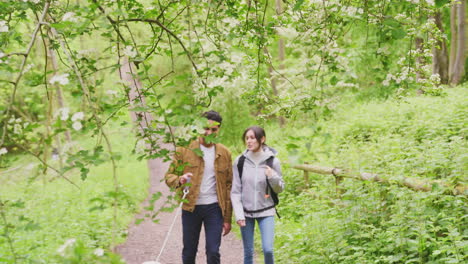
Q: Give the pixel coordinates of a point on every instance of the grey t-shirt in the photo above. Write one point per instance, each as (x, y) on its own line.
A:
(208, 185)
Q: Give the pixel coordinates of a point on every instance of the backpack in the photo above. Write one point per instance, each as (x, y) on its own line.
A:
(274, 195)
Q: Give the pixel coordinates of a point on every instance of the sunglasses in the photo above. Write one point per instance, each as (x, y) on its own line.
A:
(213, 129)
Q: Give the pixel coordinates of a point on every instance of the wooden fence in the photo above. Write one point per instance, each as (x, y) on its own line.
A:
(412, 183)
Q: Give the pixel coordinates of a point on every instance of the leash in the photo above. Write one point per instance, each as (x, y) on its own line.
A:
(186, 191)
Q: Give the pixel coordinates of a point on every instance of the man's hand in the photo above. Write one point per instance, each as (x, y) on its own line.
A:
(226, 228)
(185, 178)
(241, 223)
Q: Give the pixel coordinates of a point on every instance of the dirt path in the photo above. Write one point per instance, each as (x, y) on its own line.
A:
(145, 240)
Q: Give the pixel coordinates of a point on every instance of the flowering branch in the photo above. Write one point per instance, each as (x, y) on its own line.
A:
(23, 63)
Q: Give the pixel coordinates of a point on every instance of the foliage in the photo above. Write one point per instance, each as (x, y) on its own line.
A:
(73, 252)
(43, 215)
(63, 94)
(372, 223)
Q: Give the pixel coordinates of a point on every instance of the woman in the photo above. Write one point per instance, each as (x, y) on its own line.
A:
(251, 194)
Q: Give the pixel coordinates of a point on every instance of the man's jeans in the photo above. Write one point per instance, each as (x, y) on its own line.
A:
(211, 217)
(267, 231)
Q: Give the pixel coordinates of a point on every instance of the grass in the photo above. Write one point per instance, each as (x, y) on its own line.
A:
(58, 211)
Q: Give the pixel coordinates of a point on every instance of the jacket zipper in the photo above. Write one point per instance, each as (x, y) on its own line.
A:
(255, 186)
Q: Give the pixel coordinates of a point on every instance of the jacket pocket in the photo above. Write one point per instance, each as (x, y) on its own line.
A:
(191, 168)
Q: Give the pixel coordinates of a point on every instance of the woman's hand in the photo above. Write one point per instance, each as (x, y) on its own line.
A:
(241, 223)
(269, 172)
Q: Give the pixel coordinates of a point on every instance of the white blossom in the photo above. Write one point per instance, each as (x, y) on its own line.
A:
(3, 26)
(400, 16)
(237, 57)
(218, 81)
(28, 67)
(383, 50)
(17, 129)
(228, 67)
(231, 21)
(111, 92)
(77, 125)
(69, 16)
(140, 146)
(63, 112)
(62, 248)
(130, 52)
(59, 78)
(430, 2)
(435, 78)
(183, 132)
(86, 52)
(77, 116)
(3, 151)
(99, 252)
(345, 84)
(386, 82)
(287, 32)
(198, 129)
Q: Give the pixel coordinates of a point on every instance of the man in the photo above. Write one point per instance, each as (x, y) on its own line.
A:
(208, 200)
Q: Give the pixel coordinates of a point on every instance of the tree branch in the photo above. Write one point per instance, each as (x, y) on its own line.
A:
(23, 64)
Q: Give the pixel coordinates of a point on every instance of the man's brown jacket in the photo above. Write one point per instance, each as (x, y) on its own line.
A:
(188, 159)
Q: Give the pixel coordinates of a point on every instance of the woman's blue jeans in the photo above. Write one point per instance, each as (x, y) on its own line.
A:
(267, 231)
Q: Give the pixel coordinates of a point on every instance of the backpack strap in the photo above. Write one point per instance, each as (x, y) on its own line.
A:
(240, 165)
(259, 210)
(274, 195)
(268, 189)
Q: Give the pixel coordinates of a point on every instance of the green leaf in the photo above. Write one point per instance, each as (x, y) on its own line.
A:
(333, 80)
(198, 152)
(84, 173)
(398, 33)
(298, 5)
(31, 226)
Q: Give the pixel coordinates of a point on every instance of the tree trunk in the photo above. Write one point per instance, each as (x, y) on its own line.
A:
(458, 42)
(58, 89)
(440, 57)
(466, 33)
(459, 63)
(453, 39)
(135, 96)
(279, 10)
(419, 59)
(54, 68)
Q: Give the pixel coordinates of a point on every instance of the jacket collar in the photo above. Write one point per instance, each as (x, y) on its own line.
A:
(267, 153)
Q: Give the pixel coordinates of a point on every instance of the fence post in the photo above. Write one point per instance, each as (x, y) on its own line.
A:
(306, 178)
(338, 179)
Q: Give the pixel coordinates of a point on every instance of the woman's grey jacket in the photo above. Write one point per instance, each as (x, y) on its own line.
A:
(249, 193)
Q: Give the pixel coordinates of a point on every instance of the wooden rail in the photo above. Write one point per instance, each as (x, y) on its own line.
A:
(412, 183)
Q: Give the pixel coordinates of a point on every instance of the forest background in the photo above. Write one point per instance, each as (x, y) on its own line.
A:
(372, 88)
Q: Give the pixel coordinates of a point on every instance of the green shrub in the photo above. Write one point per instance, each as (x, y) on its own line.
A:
(423, 137)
